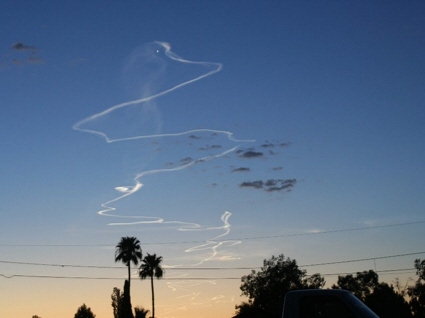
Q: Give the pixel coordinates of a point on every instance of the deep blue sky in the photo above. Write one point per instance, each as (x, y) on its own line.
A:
(322, 98)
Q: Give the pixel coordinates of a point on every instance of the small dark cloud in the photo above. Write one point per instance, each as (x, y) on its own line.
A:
(252, 184)
(186, 160)
(251, 154)
(210, 147)
(280, 185)
(23, 54)
(241, 169)
(272, 145)
(268, 145)
(18, 46)
(194, 137)
(277, 168)
(271, 184)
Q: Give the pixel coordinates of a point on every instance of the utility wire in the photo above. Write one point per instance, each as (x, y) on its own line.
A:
(60, 265)
(234, 239)
(333, 231)
(210, 268)
(364, 259)
(385, 271)
(182, 278)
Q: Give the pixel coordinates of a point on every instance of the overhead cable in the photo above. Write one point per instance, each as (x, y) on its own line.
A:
(410, 270)
(230, 239)
(209, 268)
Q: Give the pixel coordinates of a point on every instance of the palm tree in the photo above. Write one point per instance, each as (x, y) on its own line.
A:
(128, 251)
(140, 312)
(151, 267)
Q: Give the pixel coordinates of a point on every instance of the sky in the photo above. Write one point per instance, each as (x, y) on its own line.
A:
(219, 133)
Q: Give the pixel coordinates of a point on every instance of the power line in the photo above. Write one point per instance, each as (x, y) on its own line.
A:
(409, 270)
(60, 265)
(385, 271)
(234, 239)
(209, 268)
(334, 231)
(364, 259)
(59, 277)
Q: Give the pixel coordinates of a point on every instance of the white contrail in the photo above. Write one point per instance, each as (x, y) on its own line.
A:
(125, 191)
(174, 57)
(138, 185)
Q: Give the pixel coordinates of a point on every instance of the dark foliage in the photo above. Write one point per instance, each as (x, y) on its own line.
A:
(266, 289)
(151, 267)
(382, 298)
(128, 251)
(387, 303)
(417, 292)
(360, 285)
(84, 312)
(140, 312)
(126, 309)
(247, 310)
(117, 302)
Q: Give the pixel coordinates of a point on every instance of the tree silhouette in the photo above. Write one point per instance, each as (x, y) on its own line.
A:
(386, 302)
(266, 289)
(151, 267)
(140, 312)
(117, 300)
(121, 304)
(361, 285)
(128, 251)
(84, 312)
(417, 292)
(126, 311)
(382, 298)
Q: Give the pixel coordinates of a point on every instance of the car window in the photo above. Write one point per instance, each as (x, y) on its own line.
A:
(323, 307)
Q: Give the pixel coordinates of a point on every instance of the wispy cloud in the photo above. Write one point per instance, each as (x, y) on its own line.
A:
(252, 184)
(278, 144)
(270, 185)
(186, 160)
(19, 46)
(212, 147)
(241, 169)
(250, 154)
(21, 54)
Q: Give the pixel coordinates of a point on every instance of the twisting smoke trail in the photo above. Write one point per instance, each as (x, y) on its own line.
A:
(171, 55)
(145, 104)
(138, 185)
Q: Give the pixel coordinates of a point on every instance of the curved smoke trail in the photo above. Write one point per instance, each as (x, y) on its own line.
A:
(88, 125)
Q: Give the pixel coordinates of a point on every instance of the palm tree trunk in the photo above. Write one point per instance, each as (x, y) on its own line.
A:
(129, 274)
(153, 298)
